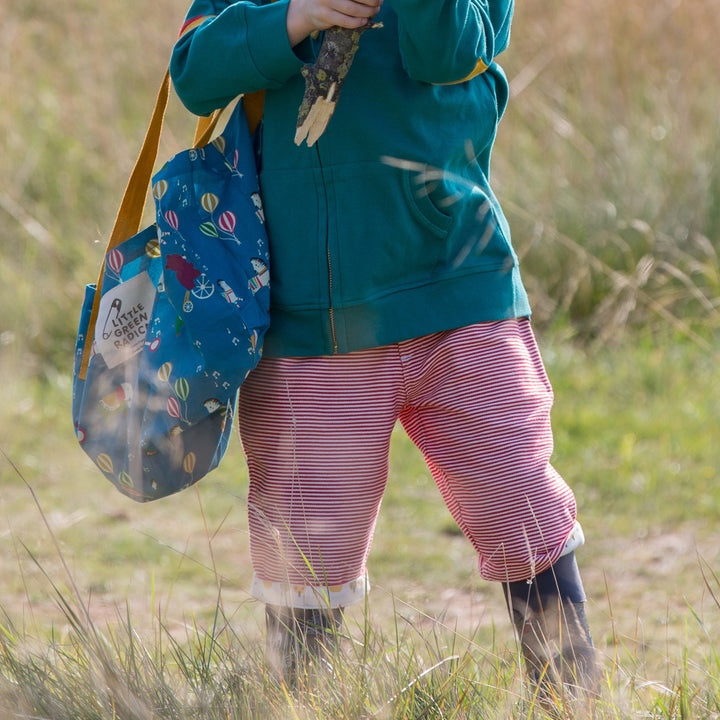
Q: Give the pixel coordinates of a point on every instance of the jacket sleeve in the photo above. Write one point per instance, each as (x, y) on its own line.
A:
(450, 41)
(227, 48)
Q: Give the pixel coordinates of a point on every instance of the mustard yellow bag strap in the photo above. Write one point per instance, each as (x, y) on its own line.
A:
(253, 105)
(205, 128)
(129, 216)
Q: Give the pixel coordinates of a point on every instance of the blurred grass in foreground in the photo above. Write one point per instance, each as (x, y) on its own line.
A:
(409, 669)
(634, 428)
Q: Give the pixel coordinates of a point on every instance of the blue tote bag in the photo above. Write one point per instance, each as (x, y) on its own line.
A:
(177, 318)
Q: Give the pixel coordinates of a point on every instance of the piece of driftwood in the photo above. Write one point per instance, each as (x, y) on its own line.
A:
(324, 80)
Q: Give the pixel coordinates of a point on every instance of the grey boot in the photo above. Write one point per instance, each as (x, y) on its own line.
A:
(548, 612)
(299, 640)
(557, 648)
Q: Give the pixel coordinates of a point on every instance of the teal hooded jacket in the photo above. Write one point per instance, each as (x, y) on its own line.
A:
(387, 228)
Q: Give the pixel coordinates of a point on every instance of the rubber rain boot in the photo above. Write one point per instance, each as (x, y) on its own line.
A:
(549, 616)
(300, 640)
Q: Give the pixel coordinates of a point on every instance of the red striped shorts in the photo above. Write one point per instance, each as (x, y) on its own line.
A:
(316, 432)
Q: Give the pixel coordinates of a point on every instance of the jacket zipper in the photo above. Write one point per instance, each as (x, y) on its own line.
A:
(331, 310)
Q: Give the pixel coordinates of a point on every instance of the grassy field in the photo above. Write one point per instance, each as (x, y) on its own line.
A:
(634, 436)
(607, 163)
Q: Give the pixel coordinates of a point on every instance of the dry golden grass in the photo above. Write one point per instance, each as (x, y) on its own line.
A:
(607, 160)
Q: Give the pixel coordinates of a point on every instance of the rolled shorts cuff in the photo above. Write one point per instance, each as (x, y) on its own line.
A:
(310, 597)
(574, 541)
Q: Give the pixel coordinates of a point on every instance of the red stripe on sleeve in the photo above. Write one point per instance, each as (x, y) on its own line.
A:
(192, 23)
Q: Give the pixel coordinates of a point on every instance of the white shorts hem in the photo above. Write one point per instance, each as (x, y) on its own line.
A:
(574, 541)
(310, 597)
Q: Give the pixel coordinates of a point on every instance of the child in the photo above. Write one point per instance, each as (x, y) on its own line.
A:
(396, 295)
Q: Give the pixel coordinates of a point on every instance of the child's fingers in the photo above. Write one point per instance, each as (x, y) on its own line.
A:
(307, 16)
(371, 6)
(351, 13)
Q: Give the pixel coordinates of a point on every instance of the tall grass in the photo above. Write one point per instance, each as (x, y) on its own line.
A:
(217, 671)
(609, 162)
(77, 81)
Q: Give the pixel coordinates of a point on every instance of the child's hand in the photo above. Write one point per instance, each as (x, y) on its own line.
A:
(307, 16)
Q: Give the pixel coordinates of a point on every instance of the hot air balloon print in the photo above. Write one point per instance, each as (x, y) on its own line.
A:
(172, 219)
(189, 463)
(182, 389)
(104, 462)
(208, 228)
(152, 249)
(114, 262)
(159, 189)
(125, 480)
(209, 202)
(173, 408)
(163, 373)
(227, 222)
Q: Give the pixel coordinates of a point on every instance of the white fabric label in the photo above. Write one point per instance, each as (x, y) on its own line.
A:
(123, 319)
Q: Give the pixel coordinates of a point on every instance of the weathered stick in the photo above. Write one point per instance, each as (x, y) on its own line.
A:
(324, 80)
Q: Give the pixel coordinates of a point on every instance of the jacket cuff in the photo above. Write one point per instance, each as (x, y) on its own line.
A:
(268, 43)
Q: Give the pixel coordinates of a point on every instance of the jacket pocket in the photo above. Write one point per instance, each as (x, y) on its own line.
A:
(418, 185)
(385, 233)
(481, 237)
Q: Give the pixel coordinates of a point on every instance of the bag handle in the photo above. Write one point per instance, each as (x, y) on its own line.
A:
(129, 216)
